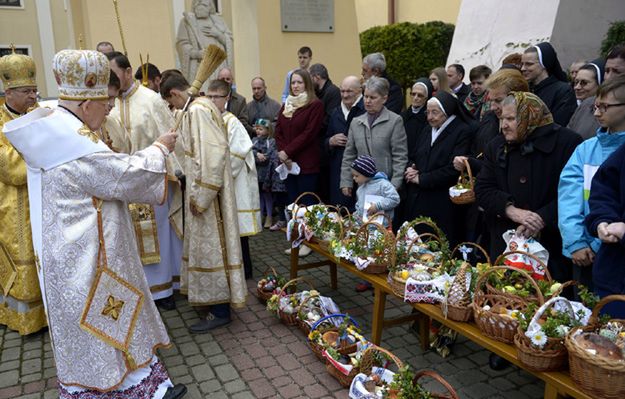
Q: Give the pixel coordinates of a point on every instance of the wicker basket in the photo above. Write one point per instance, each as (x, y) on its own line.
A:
(384, 260)
(290, 319)
(318, 349)
(398, 285)
(457, 305)
(367, 361)
(325, 244)
(450, 394)
(499, 262)
(494, 325)
(467, 197)
(293, 213)
(596, 376)
(262, 295)
(301, 314)
(554, 355)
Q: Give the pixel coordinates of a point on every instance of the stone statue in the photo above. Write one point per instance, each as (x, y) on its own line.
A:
(197, 30)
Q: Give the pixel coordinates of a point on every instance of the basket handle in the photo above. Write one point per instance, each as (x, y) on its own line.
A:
(435, 376)
(332, 316)
(366, 362)
(431, 236)
(468, 172)
(547, 305)
(501, 257)
(384, 216)
(475, 245)
(301, 305)
(594, 317)
(294, 281)
(270, 268)
(299, 197)
(482, 280)
(339, 220)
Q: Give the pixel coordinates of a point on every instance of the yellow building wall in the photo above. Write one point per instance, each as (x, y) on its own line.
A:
(338, 51)
(375, 12)
(146, 25)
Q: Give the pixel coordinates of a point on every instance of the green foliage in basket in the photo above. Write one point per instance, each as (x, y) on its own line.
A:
(555, 324)
(272, 304)
(443, 246)
(324, 223)
(513, 282)
(405, 387)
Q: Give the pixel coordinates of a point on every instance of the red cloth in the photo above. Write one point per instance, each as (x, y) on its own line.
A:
(299, 136)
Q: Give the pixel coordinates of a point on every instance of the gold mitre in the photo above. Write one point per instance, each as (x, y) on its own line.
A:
(17, 70)
(81, 74)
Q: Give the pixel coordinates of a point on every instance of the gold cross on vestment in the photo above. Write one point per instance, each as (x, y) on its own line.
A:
(113, 307)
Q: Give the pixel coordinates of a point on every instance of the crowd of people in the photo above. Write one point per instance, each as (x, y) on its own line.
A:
(147, 186)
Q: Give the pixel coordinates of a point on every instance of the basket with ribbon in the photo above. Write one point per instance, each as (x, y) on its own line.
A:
(464, 191)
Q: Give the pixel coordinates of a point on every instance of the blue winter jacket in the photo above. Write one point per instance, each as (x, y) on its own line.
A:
(574, 189)
(381, 186)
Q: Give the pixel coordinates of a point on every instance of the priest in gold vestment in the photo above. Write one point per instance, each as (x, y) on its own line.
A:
(21, 308)
(212, 272)
(104, 327)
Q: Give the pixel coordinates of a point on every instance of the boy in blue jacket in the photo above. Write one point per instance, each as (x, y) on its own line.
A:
(606, 218)
(374, 184)
(575, 181)
(383, 196)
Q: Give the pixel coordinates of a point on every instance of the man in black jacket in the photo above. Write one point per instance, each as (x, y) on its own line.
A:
(542, 70)
(374, 64)
(455, 77)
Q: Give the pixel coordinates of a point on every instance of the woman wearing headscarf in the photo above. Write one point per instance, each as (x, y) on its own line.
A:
(542, 70)
(586, 83)
(431, 171)
(414, 117)
(518, 184)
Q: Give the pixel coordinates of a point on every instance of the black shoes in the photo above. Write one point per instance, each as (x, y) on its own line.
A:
(208, 323)
(168, 303)
(497, 362)
(175, 392)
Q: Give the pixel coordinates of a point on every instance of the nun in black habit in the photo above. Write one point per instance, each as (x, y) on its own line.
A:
(414, 117)
(554, 88)
(431, 171)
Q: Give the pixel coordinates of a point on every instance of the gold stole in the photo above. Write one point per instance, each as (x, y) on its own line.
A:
(144, 222)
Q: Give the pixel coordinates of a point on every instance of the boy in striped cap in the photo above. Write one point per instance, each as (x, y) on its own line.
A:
(375, 192)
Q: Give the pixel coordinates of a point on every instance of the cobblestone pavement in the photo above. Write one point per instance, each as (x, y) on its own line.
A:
(258, 357)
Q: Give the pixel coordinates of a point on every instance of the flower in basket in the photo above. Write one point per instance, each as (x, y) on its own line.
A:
(272, 304)
(271, 282)
(322, 222)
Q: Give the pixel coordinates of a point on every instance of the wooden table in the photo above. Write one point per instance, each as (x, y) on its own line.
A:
(557, 384)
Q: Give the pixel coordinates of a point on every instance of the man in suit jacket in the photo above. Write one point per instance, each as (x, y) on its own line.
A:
(237, 103)
(455, 76)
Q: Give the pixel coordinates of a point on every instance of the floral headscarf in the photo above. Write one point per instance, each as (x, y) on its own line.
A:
(531, 113)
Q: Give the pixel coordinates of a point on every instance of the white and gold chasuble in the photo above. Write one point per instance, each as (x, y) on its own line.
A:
(69, 172)
(212, 270)
(21, 308)
(245, 177)
(143, 116)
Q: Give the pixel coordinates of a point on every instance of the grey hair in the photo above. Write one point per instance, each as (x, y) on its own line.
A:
(375, 61)
(509, 100)
(377, 85)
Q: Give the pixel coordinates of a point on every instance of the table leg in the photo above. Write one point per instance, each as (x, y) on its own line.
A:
(333, 279)
(551, 392)
(294, 262)
(379, 304)
(424, 331)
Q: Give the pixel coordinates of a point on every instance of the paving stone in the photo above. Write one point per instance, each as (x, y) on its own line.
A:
(10, 365)
(261, 388)
(12, 353)
(315, 391)
(243, 395)
(9, 378)
(30, 396)
(31, 366)
(36, 386)
(10, 392)
(217, 360)
(226, 372)
(202, 372)
(12, 343)
(235, 386)
(290, 391)
(31, 377)
(51, 394)
(210, 386)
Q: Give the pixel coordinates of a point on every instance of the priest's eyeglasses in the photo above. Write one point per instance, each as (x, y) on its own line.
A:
(603, 107)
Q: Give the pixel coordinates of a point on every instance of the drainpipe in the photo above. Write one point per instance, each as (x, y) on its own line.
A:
(391, 12)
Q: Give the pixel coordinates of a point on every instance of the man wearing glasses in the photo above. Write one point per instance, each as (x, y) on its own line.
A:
(21, 309)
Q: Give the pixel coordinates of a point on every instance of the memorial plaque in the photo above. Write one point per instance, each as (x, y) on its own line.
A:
(307, 15)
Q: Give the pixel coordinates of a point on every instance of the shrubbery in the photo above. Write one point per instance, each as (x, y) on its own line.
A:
(412, 50)
(615, 35)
